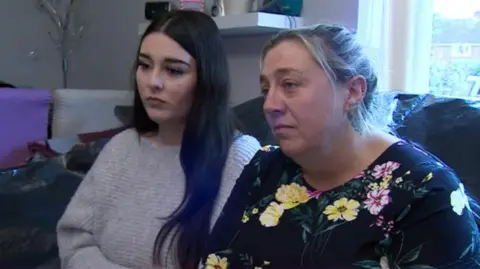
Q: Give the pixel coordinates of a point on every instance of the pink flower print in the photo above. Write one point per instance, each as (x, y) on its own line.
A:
(315, 194)
(376, 200)
(384, 170)
(378, 222)
(388, 227)
(360, 175)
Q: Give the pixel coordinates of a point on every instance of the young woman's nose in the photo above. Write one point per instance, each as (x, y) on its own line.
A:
(156, 81)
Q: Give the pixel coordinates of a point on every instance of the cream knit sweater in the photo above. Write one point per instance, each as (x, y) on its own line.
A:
(116, 213)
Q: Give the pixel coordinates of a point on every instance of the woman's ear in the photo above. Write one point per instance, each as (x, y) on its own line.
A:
(356, 87)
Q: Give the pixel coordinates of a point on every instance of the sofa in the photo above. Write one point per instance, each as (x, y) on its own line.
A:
(33, 197)
(59, 113)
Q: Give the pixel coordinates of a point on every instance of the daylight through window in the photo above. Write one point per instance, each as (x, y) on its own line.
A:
(455, 55)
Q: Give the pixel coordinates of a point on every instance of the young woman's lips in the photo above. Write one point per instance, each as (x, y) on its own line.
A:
(154, 101)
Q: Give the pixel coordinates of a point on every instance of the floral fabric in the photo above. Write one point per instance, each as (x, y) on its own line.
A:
(406, 210)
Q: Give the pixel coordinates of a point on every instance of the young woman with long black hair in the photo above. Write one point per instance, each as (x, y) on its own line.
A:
(156, 189)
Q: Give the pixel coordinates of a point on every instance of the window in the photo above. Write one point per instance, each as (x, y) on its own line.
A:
(455, 56)
(417, 53)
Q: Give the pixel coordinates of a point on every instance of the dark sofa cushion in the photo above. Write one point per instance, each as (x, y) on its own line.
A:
(32, 199)
(251, 120)
(447, 127)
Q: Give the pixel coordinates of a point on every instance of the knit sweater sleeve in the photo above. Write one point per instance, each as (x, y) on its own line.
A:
(241, 152)
(77, 247)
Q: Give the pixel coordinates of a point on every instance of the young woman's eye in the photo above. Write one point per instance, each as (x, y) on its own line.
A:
(143, 66)
(264, 90)
(175, 71)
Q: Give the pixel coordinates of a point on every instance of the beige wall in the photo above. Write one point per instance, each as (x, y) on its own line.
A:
(102, 60)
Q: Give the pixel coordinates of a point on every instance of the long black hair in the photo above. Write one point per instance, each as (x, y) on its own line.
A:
(208, 134)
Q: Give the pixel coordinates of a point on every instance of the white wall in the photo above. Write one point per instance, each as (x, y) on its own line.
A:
(103, 58)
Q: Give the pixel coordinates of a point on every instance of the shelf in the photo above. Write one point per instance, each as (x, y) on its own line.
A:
(250, 24)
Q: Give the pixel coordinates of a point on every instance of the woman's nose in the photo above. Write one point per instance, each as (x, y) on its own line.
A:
(156, 81)
(273, 103)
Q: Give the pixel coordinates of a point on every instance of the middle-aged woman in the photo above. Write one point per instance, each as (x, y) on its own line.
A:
(152, 194)
(339, 192)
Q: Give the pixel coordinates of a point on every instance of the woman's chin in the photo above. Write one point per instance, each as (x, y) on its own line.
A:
(158, 116)
(290, 147)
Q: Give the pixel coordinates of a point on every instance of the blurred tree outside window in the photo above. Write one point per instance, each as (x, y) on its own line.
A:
(455, 54)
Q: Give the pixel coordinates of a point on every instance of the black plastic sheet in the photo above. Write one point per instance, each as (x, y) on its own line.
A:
(32, 200)
(447, 127)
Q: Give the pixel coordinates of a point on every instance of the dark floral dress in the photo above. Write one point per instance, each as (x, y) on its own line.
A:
(406, 210)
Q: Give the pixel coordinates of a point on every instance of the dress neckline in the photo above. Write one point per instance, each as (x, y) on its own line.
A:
(380, 159)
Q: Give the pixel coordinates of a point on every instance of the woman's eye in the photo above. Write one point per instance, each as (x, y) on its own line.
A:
(143, 65)
(175, 71)
(289, 85)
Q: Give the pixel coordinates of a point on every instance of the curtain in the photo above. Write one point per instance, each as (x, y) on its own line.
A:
(397, 35)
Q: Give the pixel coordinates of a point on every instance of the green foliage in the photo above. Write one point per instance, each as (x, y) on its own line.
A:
(449, 77)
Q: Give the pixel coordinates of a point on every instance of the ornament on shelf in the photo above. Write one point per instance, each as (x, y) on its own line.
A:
(198, 5)
(283, 7)
(66, 34)
(217, 9)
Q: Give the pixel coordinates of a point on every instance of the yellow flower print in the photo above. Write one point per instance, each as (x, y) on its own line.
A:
(428, 177)
(271, 216)
(265, 263)
(399, 180)
(342, 209)
(292, 195)
(268, 148)
(216, 262)
(373, 186)
(245, 217)
(385, 183)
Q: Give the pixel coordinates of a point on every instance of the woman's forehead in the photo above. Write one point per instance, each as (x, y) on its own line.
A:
(288, 57)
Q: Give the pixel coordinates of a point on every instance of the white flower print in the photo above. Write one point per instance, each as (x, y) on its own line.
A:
(384, 263)
(384, 170)
(459, 200)
(376, 200)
